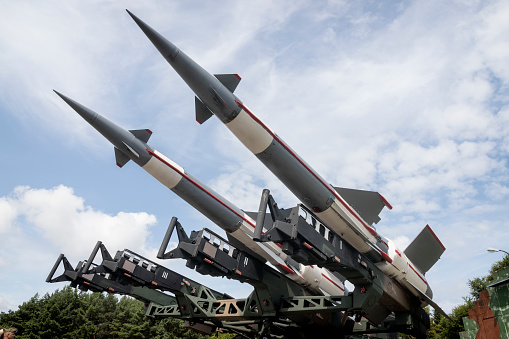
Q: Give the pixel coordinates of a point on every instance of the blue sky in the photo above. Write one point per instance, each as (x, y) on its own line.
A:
(406, 98)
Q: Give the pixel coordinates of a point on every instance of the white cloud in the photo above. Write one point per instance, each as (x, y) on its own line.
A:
(68, 224)
(47, 222)
(7, 215)
(5, 305)
(497, 191)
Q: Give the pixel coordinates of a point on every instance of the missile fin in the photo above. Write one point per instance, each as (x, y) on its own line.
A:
(229, 81)
(425, 250)
(136, 154)
(368, 204)
(202, 112)
(120, 157)
(428, 300)
(142, 134)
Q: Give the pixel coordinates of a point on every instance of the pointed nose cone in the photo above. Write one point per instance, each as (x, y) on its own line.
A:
(114, 133)
(132, 144)
(86, 113)
(166, 48)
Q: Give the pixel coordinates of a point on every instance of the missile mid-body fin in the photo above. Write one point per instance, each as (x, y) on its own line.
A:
(425, 250)
(202, 112)
(142, 134)
(120, 157)
(229, 81)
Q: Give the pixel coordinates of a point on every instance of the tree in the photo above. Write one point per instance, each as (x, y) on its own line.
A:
(480, 284)
(100, 312)
(170, 328)
(444, 328)
(59, 315)
(69, 313)
(130, 320)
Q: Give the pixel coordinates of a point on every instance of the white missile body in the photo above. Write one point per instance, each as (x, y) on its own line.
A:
(132, 145)
(339, 216)
(214, 96)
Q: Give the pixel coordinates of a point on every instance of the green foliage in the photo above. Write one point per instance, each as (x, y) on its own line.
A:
(481, 283)
(129, 320)
(442, 327)
(170, 328)
(477, 285)
(225, 335)
(60, 315)
(499, 265)
(445, 328)
(70, 313)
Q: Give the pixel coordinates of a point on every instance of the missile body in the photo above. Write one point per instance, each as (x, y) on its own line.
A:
(132, 145)
(215, 96)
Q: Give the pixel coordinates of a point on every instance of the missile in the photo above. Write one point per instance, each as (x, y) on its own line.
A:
(132, 145)
(349, 213)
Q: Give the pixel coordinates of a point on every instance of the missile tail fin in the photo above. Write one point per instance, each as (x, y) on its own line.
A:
(428, 300)
(202, 112)
(229, 81)
(425, 250)
(120, 157)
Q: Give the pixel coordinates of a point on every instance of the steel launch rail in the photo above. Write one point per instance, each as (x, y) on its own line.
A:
(277, 305)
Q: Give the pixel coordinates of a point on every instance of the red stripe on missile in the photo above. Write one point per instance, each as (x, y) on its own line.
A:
(255, 118)
(332, 282)
(386, 257)
(433, 234)
(199, 186)
(204, 190)
(287, 269)
(413, 269)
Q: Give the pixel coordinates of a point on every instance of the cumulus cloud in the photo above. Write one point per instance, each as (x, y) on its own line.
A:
(40, 223)
(63, 220)
(5, 305)
(7, 215)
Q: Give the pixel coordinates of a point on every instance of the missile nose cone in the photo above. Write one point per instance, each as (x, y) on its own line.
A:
(166, 48)
(129, 145)
(86, 113)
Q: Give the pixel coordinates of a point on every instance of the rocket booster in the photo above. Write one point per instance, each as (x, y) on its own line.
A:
(132, 145)
(214, 96)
